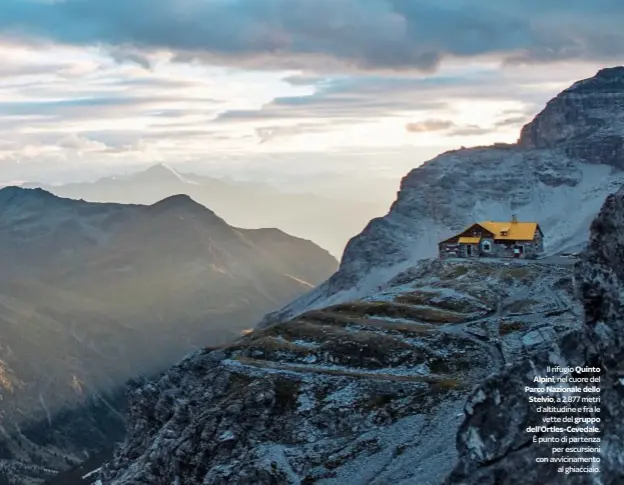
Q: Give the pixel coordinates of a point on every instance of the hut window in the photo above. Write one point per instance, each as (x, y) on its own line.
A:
(487, 246)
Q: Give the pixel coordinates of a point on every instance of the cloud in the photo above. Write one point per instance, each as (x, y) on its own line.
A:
(79, 109)
(374, 96)
(429, 125)
(470, 130)
(94, 107)
(304, 80)
(354, 98)
(271, 133)
(80, 143)
(123, 138)
(356, 109)
(450, 127)
(123, 54)
(513, 121)
(330, 34)
(10, 69)
(158, 84)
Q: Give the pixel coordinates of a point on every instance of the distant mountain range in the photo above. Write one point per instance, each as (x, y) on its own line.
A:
(93, 294)
(326, 221)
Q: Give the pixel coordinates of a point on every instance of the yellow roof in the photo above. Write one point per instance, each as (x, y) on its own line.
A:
(469, 240)
(519, 231)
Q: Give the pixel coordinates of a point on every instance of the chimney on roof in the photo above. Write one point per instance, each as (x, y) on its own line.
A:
(514, 219)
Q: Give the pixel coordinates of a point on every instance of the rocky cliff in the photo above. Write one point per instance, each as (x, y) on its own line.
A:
(373, 391)
(585, 121)
(493, 445)
(369, 391)
(568, 159)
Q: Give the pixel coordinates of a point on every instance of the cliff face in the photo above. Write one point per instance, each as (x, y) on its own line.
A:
(493, 445)
(585, 121)
(369, 391)
(559, 173)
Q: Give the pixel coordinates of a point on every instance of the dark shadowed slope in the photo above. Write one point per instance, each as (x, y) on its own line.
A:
(93, 294)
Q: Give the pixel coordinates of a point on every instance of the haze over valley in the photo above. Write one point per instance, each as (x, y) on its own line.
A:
(329, 220)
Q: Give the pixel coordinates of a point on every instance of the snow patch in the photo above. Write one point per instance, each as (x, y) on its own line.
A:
(91, 473)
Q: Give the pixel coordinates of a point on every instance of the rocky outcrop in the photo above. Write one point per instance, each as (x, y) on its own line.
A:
(369, 391)
(586, 121)
(565, 164)
(493, 445)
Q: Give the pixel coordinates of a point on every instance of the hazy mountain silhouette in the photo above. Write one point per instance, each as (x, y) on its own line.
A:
(326, 221)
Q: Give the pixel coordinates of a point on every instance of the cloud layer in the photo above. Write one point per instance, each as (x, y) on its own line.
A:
(90, 82)
(329, 34)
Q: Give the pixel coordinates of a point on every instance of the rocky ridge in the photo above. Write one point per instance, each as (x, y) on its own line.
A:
(353, 393)
(585, 121)
(566, 162)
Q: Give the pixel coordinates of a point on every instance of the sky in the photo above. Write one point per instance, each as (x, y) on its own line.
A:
(90, 87)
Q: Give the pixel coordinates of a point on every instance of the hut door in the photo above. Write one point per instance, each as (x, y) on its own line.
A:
(469, 251)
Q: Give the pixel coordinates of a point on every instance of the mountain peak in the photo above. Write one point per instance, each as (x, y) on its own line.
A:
(178, 200)
(182, 204)
(160, 172)
(162, 167)
(609, 79)
(586, 121)
(11, 192)
(610, 72)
